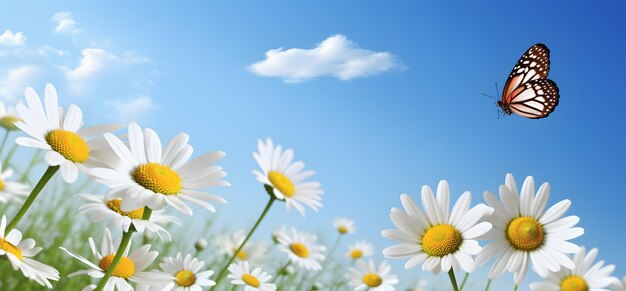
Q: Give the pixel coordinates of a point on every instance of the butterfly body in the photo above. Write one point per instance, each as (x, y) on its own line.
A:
(528, 91)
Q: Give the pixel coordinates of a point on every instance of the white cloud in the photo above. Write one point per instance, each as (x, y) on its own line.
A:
(65, 23)
(95, 60)
(13, 83)
(134, 108)
(46, 50)
(336, 56)
(8, 38)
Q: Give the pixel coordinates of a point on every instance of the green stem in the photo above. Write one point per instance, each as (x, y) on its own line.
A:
(9, 156)
(332, 250)
(281, 271)
(4, 140)
(32, 164)
(515, 288)
(121, 249)
(464, 281)
(488, 285)
(232, 258)
(33, 194)
(453, 280)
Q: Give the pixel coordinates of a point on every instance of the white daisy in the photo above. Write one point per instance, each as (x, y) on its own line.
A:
(185, 274)
(252, 281)
(367, 277)
(619, 285)
(360, 249)
(585, 276)
(344, 225)
(19, 253)
(201, 244)
(11, 189)
(253, 252)
(130, 268)
(58, 132)
(100, 209)
(143, 174)
(8, 117)
(525, 233)
(440, 239)
(302, 249)
(286, 177)
(277, 233)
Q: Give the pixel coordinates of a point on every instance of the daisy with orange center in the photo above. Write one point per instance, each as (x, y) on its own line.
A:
(255, 280)
(185, 274)
(68, 147)
(8, 117)
(344, 225)
(525, 233)
(143, 173)
(286, 177)
(437, 238)
(359, 250)
(302, 249)
(367, 277)
(19, 253)
(50, 128)
(130, 268)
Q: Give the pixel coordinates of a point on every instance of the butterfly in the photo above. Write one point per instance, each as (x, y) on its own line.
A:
(528, 91)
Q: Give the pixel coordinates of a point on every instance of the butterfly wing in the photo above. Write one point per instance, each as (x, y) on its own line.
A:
(535, 99)
(533, 65)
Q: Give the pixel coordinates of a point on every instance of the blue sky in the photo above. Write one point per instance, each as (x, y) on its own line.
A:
(185, 67)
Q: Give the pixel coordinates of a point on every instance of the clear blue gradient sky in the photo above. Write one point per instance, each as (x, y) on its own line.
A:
(369, 139)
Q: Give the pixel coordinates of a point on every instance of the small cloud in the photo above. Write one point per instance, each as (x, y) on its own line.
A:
(13, 83)
(65, 23)
(133, 108)
(95, 60)
(8, 38)
(92, 62)
(336, 56)
(46, 51)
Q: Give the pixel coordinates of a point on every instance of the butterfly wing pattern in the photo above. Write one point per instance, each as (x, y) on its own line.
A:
(527, 91)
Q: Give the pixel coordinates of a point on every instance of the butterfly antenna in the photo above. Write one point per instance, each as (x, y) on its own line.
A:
(488, 96)
(497, 91)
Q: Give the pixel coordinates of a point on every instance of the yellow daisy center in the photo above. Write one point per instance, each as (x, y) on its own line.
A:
(8, 122)
(299, 250)
(185, 278)
(342, 229)
(158, 178)
(372, 280)
(10, 248)
(241, 255)
(574, 283)
(282, 183)
(356, 254)
(2, 185)
(441, 240)
(124, 269)
(525, 233)
(115, 205)
(70, 145)
(251, 280)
